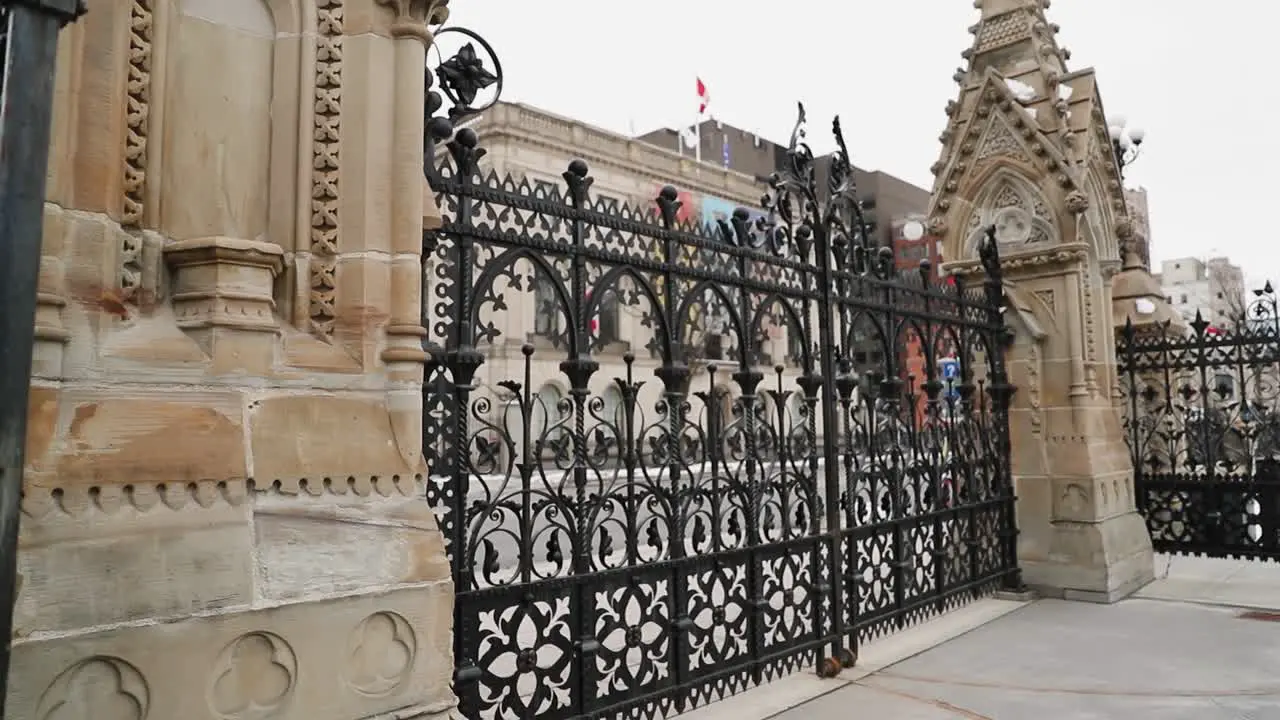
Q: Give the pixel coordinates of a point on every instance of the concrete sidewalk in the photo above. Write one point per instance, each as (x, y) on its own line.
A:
(1055, 660)
(1182, 649)
(1237, 583)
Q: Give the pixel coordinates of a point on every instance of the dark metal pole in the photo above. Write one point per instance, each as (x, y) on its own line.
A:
(26, 108)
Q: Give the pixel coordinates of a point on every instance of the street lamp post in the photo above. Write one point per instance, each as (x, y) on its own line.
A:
(29, 34)
(1126, 142)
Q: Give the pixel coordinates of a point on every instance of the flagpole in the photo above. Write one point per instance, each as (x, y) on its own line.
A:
(697, 132)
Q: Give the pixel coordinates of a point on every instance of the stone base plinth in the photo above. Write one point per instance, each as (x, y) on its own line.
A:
(1102, 561)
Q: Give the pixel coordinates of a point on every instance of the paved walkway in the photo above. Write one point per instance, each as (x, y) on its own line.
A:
(1054, 660)
(1184, 648)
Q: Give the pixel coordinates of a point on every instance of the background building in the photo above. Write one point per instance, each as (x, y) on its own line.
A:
(886, 198)
(888, 203)
(536, 146)
(912, 244)
(1213, 288)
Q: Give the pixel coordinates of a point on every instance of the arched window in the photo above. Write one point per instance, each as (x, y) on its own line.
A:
(1016, 209)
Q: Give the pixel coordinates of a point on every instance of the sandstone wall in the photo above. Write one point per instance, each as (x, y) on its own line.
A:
(223, 514)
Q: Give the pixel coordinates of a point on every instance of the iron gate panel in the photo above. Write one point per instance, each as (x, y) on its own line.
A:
(642, 543)
(1202, 419)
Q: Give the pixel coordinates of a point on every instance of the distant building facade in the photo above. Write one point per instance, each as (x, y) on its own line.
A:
(888, 202)
(1212, 288)
(536, 146)
(912, 245)
(888, 199)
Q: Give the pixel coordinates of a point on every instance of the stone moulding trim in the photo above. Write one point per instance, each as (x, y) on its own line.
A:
(138, 110)
(39, 502)
(201, 302)
(52, 333)
(137, 125)
(442, 710)
(1059, 255)
(324, 176)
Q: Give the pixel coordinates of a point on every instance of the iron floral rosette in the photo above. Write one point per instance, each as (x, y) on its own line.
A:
(470, 80)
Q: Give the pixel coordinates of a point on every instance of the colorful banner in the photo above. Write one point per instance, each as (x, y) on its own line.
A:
(714, 208)
(688, 207)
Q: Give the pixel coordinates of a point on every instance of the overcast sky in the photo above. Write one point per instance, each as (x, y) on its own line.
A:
(1196, 76)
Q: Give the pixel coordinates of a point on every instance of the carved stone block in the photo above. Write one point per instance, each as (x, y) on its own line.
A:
(352, 657)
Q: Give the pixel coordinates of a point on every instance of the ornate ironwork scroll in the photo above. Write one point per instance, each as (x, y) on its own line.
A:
(1202, 418)
(675, 461)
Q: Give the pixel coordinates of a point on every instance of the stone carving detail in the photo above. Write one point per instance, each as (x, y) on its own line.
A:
(1003, 31)
(1077, 202)
(1020, 214)
(138, 111)
(1048, 298)
(104, 688)
(254, 678)
(324, 174)
(1033, 387)
(137, 119)
(1013, 226)
(130, 265)
(1070, 256)
(1074, 499)
(1091, 347)
(381, 653)
(1007, 197)
(1041, 209)
(1000, 140)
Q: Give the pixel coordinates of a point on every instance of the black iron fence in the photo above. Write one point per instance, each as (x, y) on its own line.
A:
(1202, 418)
(670, 527)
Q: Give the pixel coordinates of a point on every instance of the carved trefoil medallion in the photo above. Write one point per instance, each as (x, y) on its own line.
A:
(101, 687)
(380, 654)
(254, 678)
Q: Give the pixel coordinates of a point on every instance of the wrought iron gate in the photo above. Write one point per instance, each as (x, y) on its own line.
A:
(1202, 418)
(674, 461)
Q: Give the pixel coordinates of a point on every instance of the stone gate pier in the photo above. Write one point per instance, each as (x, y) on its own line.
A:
(223, 512)
(1027, 149)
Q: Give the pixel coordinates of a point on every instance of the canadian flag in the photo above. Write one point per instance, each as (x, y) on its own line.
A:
(704, 97)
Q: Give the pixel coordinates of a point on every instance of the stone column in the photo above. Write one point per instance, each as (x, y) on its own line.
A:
(224, 512)
(1081, 536)
(413, 208)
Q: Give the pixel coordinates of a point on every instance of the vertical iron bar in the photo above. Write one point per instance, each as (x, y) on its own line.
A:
(748, 380)
(932, 418)
(964, 488)
(1136, 441)
(891, 394)
(830, 460)
(26, 110)
(1001, 396)
(578, 369)
(463, 360)
(674, 374)
(1214, 504)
